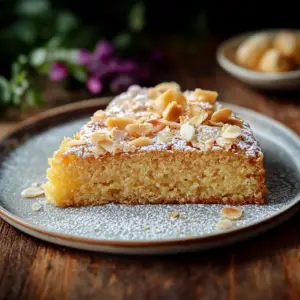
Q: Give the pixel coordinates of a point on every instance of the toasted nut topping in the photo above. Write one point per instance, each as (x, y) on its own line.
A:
(157, 125)
(138, 130)
(174, 214)
(153, 93)
(235, 121)
(141, 141)
(118, 135)
(217, 124)
(221, 115)
(32, 192)
(170, 96)
(187, 131)
(206, 96)
(172, 112)
(224, 225)
(231, 213)
(196, 110)
(76, 143)
(36, 206)
(108, 146)
(224, 142)
(100, 137)
(171, 124)
(230, 131)
(164, 86)
(209, 144)
(98, 150)
(165, 137)
(198, 120)
(119, 122)
(99, 115)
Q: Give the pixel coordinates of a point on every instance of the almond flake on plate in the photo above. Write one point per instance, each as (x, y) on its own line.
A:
(36, 206)
(32, 192)
(231, 213)
(224, 225)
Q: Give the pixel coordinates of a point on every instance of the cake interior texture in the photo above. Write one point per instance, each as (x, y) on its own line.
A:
(161, 171)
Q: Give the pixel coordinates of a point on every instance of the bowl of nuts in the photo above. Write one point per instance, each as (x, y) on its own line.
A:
(267, 59)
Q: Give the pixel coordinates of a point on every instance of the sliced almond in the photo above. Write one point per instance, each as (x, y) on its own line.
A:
(32, 192)
(217, 124)
(230, 131)
(196, 110)
(235, 121)
(138, 130)
(224, 225)
(76, 143)
(221, 115)
(232, 213)
(141, 141)
(172, 112)
(206, 95)
(187, 131)
(170, 96)
(119, 122)
(100, 137)
(36, 206)
(108, 146)
(164, 86)
(99, 115)
(173, 125)
(223, 142)
(118, 135)
(157, 125)
(98, 150)
(209, 144)
(153, 93)
(165, 137)
(198, 120)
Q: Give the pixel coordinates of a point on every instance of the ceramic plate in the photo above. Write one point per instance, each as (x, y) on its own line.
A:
(140, 229)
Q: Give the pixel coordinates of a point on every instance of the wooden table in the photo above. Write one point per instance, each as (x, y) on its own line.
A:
(265, 267)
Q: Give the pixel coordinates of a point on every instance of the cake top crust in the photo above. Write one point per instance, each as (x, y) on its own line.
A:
(163, 118)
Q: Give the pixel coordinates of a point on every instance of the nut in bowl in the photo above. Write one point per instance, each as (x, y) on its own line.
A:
(267, 59)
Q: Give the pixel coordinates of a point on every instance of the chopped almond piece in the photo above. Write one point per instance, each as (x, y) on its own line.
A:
(231, 213)
(221, 116)
(99, 115)
(230, 131)
(100, 137)
(172, 112)
(157, 125)
(196, 110)
(141, 141)
(170, 96)
(118, 135)
(224, 225)
(187, 131)
(165, 137)
(206, 96)
(119, 122)
(76, 143)
(138, 130)
(164, 86)
(198, 120)
(235, 121)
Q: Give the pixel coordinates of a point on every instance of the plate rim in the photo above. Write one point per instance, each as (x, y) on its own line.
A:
(214, 238)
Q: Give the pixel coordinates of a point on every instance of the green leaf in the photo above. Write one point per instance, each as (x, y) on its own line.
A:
(123, 40)
(54, 43)
(32, 8)
(137, 17)
(66, 22)
(24, 31)
(38, 57)
(33, 97)
(79, 73)
(5, 92)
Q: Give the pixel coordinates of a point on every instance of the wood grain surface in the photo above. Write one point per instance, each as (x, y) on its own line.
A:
(265, 267)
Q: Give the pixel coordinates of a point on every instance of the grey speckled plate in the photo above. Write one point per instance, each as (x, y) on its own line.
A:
(138, 229)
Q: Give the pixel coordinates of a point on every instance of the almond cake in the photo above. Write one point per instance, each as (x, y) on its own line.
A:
(159, 145)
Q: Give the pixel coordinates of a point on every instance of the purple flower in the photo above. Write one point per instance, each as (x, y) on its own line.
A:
(58, 71)
(94, 85)
(104, 50)
(122, 66)
(83, 56)
(121, 83)
(99, 69)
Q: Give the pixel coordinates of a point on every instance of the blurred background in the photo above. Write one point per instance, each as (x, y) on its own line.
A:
(56, 51)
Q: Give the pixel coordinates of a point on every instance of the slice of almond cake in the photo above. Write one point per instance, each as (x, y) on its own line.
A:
(159, 145)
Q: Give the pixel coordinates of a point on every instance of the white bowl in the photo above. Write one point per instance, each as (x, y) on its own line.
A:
(270, 81)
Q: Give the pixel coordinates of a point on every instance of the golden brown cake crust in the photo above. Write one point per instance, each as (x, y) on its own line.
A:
(188, 131)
